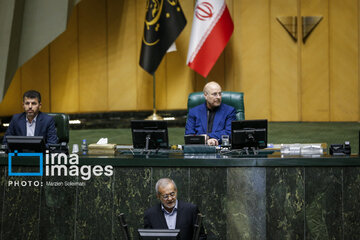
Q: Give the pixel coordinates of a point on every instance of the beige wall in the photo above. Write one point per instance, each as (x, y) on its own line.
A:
(94, 65)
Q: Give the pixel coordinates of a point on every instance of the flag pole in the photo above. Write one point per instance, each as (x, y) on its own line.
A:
(154, 116)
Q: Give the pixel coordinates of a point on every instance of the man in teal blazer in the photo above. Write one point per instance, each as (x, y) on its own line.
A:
(212, 118)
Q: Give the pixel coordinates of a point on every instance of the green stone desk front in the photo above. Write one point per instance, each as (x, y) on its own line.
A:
(258, 197)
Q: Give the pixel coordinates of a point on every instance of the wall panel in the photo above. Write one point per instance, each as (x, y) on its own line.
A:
(179, 77)
(344, 60)
(315, 64)
(217, 73)
(64, 69)
(144, 81)
(161, 80)
(229, 77)
(283, 62)
(122, 52)
(252, 56)
(178, 80)
(35, 76)
(94, 65)
(11, 103)
(93, 69)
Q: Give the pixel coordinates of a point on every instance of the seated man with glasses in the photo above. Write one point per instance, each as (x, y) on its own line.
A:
(172, 213)
(212, 118)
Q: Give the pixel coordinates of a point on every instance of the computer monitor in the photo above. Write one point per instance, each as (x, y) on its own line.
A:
(27, 144)
(149, 134)
(159, 234)
(249, 134)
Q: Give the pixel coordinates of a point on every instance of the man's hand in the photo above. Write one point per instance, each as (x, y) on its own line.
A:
(212, 142)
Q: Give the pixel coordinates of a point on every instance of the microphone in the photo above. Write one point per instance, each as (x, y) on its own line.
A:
(124, 226)
(197, 226)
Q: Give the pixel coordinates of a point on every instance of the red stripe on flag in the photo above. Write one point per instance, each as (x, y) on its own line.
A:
(213, 45)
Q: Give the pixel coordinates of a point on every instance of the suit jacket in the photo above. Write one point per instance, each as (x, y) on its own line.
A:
(196, 123)
(45, 126)
(185, 219)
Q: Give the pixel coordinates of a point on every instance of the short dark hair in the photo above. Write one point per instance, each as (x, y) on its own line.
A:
(32, 94)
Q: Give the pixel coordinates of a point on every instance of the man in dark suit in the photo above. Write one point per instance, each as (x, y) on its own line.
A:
(171, 213)
(32, 122)
(212, 118)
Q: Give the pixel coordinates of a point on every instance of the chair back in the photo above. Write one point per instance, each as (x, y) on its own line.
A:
(62, 126)
(234, 99)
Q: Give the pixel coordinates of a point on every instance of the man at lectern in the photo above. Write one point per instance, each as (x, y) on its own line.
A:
(171, 213)
(32, 122)
(212, 118)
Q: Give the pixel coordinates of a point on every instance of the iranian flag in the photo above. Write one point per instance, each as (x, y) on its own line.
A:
(211, 30)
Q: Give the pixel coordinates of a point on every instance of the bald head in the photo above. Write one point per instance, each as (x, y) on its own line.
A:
(212, 94)
(211, 85)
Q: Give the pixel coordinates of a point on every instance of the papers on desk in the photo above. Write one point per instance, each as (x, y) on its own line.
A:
(102, 141)
(302, 149)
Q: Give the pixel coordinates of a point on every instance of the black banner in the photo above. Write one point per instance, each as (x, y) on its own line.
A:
(164, 21)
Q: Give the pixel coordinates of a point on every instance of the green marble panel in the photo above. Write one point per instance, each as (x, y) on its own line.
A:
(208, 190)
(21, 207)
(95, 209)
(351, 202)
(58, 208)
(323, 203)
(239, 203)
(133, 192)
(246, 203)
(285, 202)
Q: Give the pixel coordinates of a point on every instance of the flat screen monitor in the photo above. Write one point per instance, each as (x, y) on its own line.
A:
(27, 144)
(249, 134)
(149, 134)
(159, 234)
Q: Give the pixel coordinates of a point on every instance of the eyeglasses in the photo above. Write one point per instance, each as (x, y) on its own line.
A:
(166, 196)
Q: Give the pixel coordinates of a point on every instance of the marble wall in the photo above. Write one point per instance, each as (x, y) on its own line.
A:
(239, 203)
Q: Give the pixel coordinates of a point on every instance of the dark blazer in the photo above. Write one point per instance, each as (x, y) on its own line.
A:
(185, 219)
(196, 123)
(45, 126)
